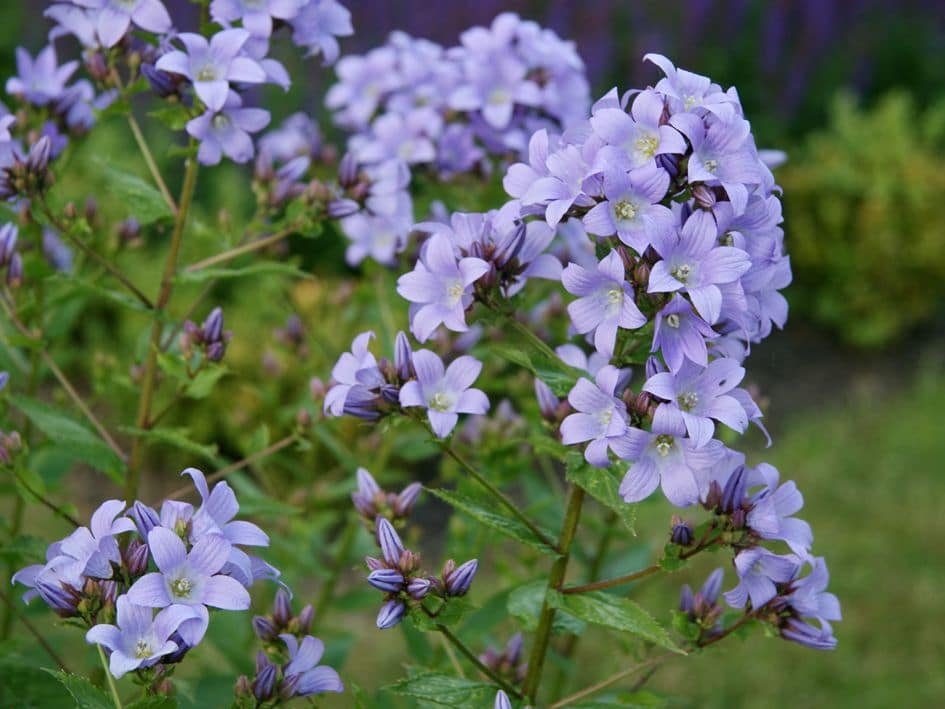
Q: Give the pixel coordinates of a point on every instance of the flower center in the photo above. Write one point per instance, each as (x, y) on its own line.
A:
(221, 121)
(646, 145)
(125, 4)
(605, 417)
(207, 73)
(499, 97)
(682, 272)
(688, 400)
(441, 401)
(727, 239)
(689, 101)
(672, 320)
(614, 296)
(711, 165)
(454, 291)
(143, 649)
(625, 210)
(182, 587)
(664, 444)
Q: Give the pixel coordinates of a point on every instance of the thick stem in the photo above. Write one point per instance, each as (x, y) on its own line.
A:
(108, 678)
(143, 419)
(569, 527)
(500, 496)
(609, 583)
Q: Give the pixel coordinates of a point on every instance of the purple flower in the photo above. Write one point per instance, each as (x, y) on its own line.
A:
(687, 91)
(663, 456)
(191, 579)
(140, 638)
(392, 549)
(114, 17)
(502, 700)
(350, 373)
(362, 84)
(227, 131)
(699, 394)
(317, 25)
(93, 549)
(459, 579)
(391, 613)
(386, 580)
(808, 598)
(563, 187)
(408, 138)
(440, 288)
(759, 571)
(297, 136)
(304, 673)
(42, 81)
(631, 208)
(680, 335)
(601, 417)
(494, 88)
(211, 66)
(521, 176)
(445, 393)
(693, 263)
(638, 137)
(724, 155)
(770, 516)
(256, 15)
(380, 237)
(606, 301)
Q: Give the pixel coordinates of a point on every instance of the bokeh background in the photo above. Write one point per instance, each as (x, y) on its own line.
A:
(854, 92)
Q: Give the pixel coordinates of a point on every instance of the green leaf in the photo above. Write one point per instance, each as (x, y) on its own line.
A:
(85, 694)
(450, 613)
(559, 377)
(177, 438)
(154, 702)
(670, 560)
(68, 284)
(24, 685)
(602, 485)
(495, 517)
(71, 436)
(173, 366)
(444, 690)
(174, 116)
(202, 385)
(525, 604)
(614, 612)
(262, 268)
(138, 196)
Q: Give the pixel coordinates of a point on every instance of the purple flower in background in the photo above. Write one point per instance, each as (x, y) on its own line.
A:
(140, 638)
(347, 373)
(693, 263)
(211, 66)
(114, 17)
(440, 288)
(362, 84)
(663, 457)
(606, 301)
(41, 81)
(444, 392)
(680, 335)
(297, 136)
(191, 579)
(494, 88)
(502, 700)
(256, 15)
(699, 394)
(631, 207)
(408, 138)
(303, 673)
(316, 26)
(601, 417)
(377, 236)
(638, 137)
(226, 132)
(758, 572)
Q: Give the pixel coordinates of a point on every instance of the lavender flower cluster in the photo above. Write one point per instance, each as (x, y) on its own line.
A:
(182, 561)
(398, 572)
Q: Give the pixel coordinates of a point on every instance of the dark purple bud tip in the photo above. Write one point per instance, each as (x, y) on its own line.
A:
(265, 629)
(682, 533)
(734, 491)
(38, 158)
(216, 351)
(391, 614)
(281, 608)
(387, 580)
(458, 582)
(213, 326)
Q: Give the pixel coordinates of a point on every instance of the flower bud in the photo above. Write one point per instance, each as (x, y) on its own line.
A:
(15, 272)
(136, 557)
(348, 170)
(418, 588)
(387, 580)
(391, 613)
(212, 329)
(265, 684)
(404, 502)
(144, 517)
(704, 196)
(305, 618)
(216, 351)
(458, 581)
(282, 608)
(403, 357)
(243, 687)
(682, 533)
(342, 207)
(264, 628)
(389, 541)
(734, 491)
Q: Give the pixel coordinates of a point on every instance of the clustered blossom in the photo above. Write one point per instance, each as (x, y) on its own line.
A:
(113, 574)
(368, 389)
(398, 574)
(210, 338)
(371, 501)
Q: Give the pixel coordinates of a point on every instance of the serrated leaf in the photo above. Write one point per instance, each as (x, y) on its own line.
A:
(71, 436)
(496, 518)
(614, 612)
(263, 268)
(444, 690)
(559, 377)
(85, 694)
(449, 614)
(138, 197)
(177, 438)
(602, 485)
(525, 602)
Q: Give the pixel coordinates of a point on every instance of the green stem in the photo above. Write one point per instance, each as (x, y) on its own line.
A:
(603, 684)
(108, 677)
(498, 495)
(150, 162)
(46, 503)
(248, 248)
(569, 527)
(610, 583)
(143, 419)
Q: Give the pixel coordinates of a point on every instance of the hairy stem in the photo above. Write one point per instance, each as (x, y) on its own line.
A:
(500, 496)
(46, 503)
(34, 631)
(536, 660)
(609, 583)
(108, 678)
(143, 419)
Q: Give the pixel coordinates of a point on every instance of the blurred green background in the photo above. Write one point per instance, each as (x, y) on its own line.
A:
(854, 92)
